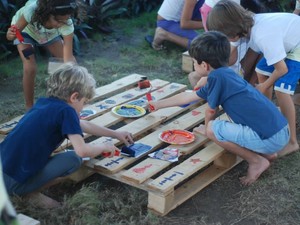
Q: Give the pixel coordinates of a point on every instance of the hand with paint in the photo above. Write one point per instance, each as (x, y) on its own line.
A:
(11, 33)
(124, 136)
(109, 149)
(201, 83)
(152, 106)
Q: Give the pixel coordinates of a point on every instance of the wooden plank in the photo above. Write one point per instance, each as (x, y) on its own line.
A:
(187, 62)
(117, 86)
(149, 167)
(162, 205)
(167, 181)
(188, 120)
(26, 220)
(106, 105)
(5, 128)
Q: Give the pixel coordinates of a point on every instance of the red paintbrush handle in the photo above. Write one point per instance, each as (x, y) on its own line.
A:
(149, 98)
(18, 33)
(107, 154)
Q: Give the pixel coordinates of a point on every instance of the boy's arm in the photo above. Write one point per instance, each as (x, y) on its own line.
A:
(68, 48)
(91, 128)
(176, 100)
(279, 71)
(86, 150)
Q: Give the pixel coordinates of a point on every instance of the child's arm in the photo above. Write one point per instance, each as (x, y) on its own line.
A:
(179, 99)
(279, 71)
(68, 48)
(210, 114)
(87, 150)
(20, 24)
(186, 21)
(91, 128)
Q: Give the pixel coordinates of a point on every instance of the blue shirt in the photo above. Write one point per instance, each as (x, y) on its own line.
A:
(28, 147)
(242, 102)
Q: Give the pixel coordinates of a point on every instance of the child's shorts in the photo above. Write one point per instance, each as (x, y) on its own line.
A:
(28, 39)
(244, 136)
(288, 82)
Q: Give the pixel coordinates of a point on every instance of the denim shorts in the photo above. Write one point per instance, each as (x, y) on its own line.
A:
(287, 83)
(244, 136)
(28, 39)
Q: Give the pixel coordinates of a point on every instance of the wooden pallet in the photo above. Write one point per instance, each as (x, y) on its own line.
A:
(26, 220)
(167, 184)
(187, 62)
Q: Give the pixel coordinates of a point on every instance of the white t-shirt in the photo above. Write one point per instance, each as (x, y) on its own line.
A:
(171, 9)
(276, 36)
(212, 3)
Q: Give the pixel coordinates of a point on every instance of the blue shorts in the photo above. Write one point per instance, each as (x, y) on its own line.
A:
(287, 83)
(29, 39)
(244, 136)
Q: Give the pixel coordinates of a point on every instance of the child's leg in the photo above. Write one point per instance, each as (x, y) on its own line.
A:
(257, 164)
(29, 73)
(59, 165)
(56, 48)
(162, 35)
(287, 108)
(263, 72)
(194, 77)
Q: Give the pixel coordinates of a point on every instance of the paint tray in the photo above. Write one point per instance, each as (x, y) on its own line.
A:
(135, 149)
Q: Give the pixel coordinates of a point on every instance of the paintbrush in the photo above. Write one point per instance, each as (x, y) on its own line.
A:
(27, 51)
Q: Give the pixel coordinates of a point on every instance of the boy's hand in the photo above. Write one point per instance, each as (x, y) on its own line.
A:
(201, 83)
(110, 150)
(11, 33)
(201, 129)
(152, 106)
(125, 137)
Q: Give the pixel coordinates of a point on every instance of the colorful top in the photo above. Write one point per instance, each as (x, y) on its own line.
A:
(42, 35)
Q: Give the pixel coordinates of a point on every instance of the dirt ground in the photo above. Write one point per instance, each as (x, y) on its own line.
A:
(216, 204)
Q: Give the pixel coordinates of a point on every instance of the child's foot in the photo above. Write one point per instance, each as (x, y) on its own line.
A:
(42, 201)
(160, 36)
(255, 170)
(288, 149)
(271, 157)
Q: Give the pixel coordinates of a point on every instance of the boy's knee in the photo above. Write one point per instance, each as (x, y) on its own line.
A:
(209, 131)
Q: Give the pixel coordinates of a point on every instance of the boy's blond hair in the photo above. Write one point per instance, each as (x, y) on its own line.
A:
(68, 79)
(230, 18)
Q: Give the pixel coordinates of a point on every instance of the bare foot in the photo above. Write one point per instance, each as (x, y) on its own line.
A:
(40, 200)
(255, 170)
(270, 157)
(288, 149)
(160, 36)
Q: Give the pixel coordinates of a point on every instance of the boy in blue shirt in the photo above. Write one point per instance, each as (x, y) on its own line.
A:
(26, 153)
(256, 130)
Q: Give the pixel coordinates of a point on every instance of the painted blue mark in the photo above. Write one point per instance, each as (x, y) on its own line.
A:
(128, 96)
(85, 113)
(9, 125)
(166, 179)
(174, 86)
(112, 162)
(110, 101)
(138, 102)
(102, 106)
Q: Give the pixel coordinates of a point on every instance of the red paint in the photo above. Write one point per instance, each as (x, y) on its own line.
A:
(107, 154)
(195, 113)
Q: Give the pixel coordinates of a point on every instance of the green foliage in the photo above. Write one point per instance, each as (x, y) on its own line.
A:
(136, 7)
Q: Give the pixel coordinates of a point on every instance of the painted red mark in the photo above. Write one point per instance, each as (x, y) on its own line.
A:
(194, 161)
(195, 113)
(141, 169)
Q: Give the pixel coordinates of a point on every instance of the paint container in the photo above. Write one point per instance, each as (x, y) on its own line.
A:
(144, 83)
(27, 51)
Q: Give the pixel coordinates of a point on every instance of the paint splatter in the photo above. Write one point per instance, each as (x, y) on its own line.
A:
(128, 96)
(86, 113)
(142, 169)
(194, 161)
(166, 179)
(110, 101)
(195, 113)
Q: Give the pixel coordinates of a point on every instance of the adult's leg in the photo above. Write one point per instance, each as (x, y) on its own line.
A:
(29, 73)
(257, 163)
(287, 108)
(162, 35)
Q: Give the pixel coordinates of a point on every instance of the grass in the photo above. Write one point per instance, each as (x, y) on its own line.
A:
(273, 200)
